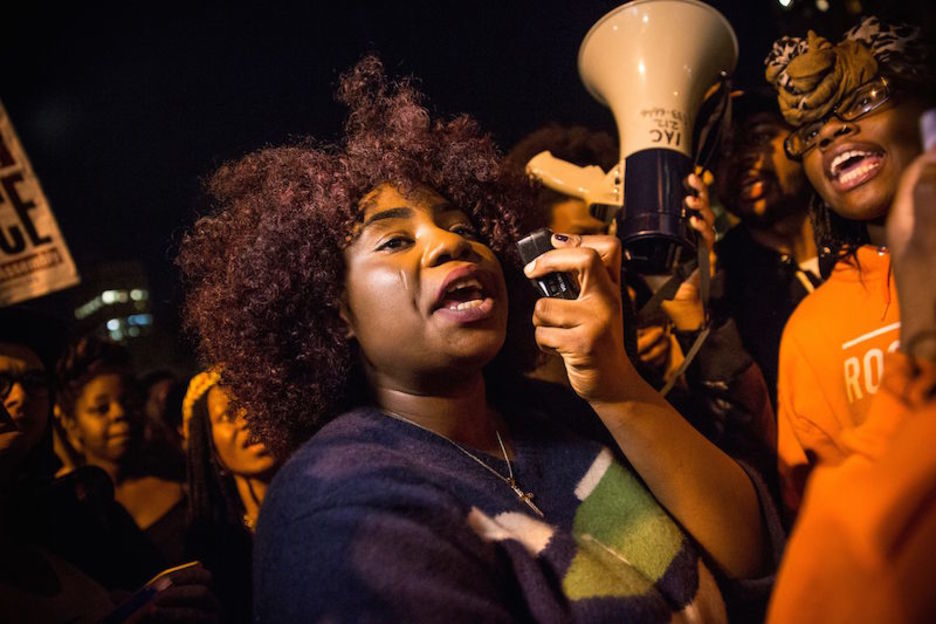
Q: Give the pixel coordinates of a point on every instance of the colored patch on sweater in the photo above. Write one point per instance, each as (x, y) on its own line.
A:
(626, 541)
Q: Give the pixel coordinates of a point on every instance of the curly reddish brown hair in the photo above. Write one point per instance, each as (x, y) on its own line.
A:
(265, 270)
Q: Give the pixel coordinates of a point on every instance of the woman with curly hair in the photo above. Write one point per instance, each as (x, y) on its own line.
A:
(360, 292)
(855, 108)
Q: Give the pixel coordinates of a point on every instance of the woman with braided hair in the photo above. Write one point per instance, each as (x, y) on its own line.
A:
(228, 475)
(855, 107)
(370, 295)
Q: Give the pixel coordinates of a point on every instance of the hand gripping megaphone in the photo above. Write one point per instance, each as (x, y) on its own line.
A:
(651, 62)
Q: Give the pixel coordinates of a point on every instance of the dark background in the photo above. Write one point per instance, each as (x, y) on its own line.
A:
(124, 109)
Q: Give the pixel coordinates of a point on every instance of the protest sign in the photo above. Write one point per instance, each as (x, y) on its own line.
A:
(34, 259)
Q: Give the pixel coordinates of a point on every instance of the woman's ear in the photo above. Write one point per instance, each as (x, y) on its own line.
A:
(344, 313)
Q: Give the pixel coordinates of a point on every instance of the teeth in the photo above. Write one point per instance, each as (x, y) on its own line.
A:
(461, 284)
(466, 305)
(844, 156)
(854, 174)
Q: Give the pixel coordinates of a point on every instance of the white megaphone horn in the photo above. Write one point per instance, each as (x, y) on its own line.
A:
(651, 62)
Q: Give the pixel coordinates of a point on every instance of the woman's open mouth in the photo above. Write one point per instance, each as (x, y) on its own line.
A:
(465, 296)
(851, 166)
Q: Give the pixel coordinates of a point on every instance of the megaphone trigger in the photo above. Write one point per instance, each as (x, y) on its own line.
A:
(603, 212)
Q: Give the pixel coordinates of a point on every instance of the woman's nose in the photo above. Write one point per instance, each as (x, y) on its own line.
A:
(443, 246)
(118, 412)
(833, 129)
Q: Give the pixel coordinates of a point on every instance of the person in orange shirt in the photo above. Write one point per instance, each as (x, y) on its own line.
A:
(854, 106)
(863, 546)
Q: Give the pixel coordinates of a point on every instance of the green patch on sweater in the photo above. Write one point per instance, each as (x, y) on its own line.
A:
(626, 541)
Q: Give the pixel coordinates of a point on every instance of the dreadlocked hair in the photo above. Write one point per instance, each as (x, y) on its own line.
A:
(212, 496)
(836, 237)
(264, 270)
(216, 534)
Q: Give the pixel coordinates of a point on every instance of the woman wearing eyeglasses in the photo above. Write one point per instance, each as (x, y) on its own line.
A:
(855, 107)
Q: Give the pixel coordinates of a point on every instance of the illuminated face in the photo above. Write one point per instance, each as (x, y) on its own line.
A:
(27, 399)
(103, 420)
(424, 298)
(856, 165)
(571, 216)
(755, 179)
(231, 438)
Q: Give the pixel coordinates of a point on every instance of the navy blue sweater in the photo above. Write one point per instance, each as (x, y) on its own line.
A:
(374, 519)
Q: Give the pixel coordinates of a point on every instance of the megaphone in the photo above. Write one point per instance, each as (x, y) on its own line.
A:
(651, 62)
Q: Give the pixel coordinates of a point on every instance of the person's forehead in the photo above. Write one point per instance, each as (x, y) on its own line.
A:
(18, 358)
(388, 196)
(217, 398)
(105, 383)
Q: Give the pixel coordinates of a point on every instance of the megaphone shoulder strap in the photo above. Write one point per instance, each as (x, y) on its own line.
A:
(718, 121)
(668, 291)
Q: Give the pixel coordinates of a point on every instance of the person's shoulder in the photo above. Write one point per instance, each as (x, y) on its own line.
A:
(362, 458)
(342, 443)
(819, 310)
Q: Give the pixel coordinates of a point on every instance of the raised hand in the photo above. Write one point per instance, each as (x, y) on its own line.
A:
(685, 309)
(586, 332)
(911, 238)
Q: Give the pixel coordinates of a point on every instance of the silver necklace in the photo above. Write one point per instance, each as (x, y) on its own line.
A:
(526, 497)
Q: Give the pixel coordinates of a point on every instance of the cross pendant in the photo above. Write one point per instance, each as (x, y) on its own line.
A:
(526, 497)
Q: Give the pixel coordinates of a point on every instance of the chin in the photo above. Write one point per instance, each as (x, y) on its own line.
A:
(870, 203)
(480, 348)
(259, 469)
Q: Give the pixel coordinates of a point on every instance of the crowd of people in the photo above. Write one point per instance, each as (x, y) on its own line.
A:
(391, 426)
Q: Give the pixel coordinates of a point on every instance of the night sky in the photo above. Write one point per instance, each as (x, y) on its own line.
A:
(124, 109)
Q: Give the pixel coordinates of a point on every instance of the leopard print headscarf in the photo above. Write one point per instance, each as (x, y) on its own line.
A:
(812, 74)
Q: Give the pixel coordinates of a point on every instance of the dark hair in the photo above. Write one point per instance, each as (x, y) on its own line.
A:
(265, 271)
(212, 496)
(216, 534)
(575, 144)
(83, 360)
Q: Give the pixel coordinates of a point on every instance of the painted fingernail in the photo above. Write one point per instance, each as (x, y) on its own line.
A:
(529, 267)
(561, 237)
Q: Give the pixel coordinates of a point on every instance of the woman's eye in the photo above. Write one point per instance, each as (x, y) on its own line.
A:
(394, 243)
(101, 410)
(466, 231)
